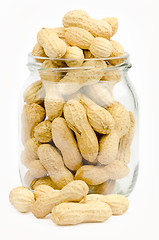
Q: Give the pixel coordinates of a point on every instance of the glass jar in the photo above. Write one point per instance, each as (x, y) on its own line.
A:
(79, 123)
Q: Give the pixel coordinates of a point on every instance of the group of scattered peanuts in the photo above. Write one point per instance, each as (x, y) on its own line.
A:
(70, 205)
(76, 136)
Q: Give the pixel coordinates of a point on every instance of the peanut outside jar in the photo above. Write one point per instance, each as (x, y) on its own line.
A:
(79, 123)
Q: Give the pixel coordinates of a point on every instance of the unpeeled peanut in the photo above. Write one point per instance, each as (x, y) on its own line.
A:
(54, 47)
(38, 51)
(125, 142)
(32, 115)
(34, 93)
(49, 71)
(64, 140)
(75, 115)
(81, 19)
(99, 118)
(74, 53)
(113, 22)
(42, 132)
(101, 47)
(42, 189)
(73, 191)
(103, 188)
(75, 213)
(118, 203)
(78, 37)
(118, 51)
(95, 175)
(53, 102)
(53, 163)
(22, 199)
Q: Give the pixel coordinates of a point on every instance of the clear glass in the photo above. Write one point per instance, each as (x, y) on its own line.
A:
(59, 85)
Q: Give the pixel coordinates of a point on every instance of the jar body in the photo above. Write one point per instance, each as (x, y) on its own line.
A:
(64, 116)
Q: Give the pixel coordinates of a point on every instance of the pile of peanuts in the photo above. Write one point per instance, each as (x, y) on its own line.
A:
(73, 130)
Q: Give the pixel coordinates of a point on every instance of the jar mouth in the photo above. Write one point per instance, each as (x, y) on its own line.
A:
(34, 61)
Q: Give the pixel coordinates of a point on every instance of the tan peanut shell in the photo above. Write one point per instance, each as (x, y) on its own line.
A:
(36, 169)
(42, 181)
(125, 142)
(118, 203)
(100, 93)
(53, 102)
(42, 132)
(31, 148)
(112, 75)
(76, 118)
(47, 73)
(79, 18)
(118, 51)
(54, 47)
(42, 189)
(108, 147)
(64, 140)
(103, 188)
(113, 22)
(34, 93)
(22, 199)
(121, 117)
(101, 47)
(74, 53)
(39, 52)
(99, 118)
(73, 191)
(75, 213)
(95, 175)
(32, 114)
(53, 163)
(78, 37)
(77, 78)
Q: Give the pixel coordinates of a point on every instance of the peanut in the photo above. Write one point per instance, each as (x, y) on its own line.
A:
(42, 181)
(121, 117)
(75, 213)
(76, 119)
(42, 132)
(95, 175)
(103, 188)
(101, 47)
(108, 147)
(117, 202)
(48, 71)
(36, 169)
(78, 18)
(78, 37)
(39, 52)
(64, 140)
(53, 102)
(53, 163)
(113, 22)
(73, 191)
(74, 53)
(22, 199)
(99, 118)
(118, 51)
(32, 115)
(100, 93)
(125, 142)
(34, 93)
(54, 47)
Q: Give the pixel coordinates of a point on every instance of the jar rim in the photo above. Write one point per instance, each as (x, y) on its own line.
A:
(125, 64)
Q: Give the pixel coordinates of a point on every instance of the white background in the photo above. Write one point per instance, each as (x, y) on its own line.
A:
(20, 20)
